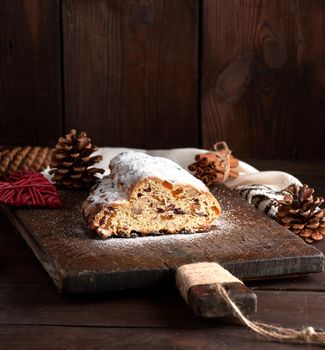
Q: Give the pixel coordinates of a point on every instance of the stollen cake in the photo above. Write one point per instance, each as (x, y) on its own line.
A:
(145, 195)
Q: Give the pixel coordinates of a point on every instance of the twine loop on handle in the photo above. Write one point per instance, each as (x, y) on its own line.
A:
(307, 335)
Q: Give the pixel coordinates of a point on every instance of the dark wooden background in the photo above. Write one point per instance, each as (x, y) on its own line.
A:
(166, 73)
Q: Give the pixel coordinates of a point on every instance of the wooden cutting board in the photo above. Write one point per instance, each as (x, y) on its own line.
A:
(245, 241)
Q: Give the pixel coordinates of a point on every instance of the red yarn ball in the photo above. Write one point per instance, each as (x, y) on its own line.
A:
(28, 188)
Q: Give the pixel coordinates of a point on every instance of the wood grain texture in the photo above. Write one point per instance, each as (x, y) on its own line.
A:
(33, 315)
(263, 77)
(206, 301)
(30, 98)
(20, 266)
(74, 338)
(131, 71)
(77, 261)
(42, 305)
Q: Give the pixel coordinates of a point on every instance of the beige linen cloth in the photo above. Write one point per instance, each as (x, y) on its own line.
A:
(248, 175)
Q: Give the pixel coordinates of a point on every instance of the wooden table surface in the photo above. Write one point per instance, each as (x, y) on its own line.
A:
(34, 316)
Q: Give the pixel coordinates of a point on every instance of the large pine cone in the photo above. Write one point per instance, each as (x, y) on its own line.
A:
(72, 163)
(23, 158)
(300, 212)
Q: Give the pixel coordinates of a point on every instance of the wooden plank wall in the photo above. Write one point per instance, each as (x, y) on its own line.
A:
(263, 77)
(30, 76)
(166, 73)
(131, 71)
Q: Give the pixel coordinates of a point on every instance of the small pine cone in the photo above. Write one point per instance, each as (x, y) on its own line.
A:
(23, 158)
(72, 161)
(216, 166)
(300, 212)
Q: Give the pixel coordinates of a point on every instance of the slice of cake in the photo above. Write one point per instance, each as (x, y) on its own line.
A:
(146, 195)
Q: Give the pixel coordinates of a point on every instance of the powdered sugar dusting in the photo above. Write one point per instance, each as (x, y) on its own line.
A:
(221, 226)
(108, 191)
(131, 167)
(128, 168)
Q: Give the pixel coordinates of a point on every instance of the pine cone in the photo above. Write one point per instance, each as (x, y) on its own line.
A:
(23, 158)
(216, 166)
(71, 162)
(300, 212)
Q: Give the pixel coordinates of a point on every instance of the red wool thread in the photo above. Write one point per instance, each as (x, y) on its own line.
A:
(27, 188)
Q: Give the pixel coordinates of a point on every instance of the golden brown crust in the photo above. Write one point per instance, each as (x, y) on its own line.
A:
(148, 195)
(154, 206)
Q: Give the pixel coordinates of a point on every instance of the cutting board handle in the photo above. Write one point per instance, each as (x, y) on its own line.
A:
(197, 284)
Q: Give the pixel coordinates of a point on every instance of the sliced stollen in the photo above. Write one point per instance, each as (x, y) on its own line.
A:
(145, 195)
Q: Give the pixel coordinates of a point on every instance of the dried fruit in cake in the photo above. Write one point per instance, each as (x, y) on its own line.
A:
(148, 195)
